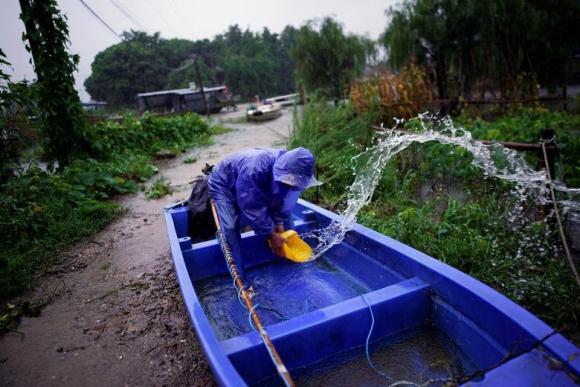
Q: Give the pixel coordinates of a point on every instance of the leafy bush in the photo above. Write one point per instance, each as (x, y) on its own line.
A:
(476, 239)
(147, 135)
(40, 214)
(160, 188)
(43, 211)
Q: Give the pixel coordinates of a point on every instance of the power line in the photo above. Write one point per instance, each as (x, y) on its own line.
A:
(128, 15)
(100, 19)
(161, 16)
(175, 9)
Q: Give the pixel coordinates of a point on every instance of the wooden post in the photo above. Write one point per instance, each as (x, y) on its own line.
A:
(565, 96)
(246, 297)
(547, 135)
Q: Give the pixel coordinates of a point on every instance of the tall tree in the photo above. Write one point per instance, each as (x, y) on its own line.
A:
(434, 33)
(286, 65)
(249, 63)
(501, 40)
(327, 59)
(127, 68)
(59, 103)
(8, 152)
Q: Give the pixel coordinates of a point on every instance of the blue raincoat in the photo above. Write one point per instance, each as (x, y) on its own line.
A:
(261, 186)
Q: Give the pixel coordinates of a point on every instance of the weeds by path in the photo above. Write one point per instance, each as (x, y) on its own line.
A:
(160, 188)
(44, 210)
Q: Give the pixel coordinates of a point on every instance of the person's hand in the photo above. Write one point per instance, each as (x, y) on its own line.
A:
(279, 228)
(276, 243)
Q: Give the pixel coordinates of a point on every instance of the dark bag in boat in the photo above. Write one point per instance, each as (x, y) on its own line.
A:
(201, 225)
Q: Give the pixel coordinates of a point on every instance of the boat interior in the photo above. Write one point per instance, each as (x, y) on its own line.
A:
(430, 323)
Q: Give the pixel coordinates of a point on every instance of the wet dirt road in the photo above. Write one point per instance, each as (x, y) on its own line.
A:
(115, 316)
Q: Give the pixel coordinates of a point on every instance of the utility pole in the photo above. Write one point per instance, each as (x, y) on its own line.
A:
(205, 104)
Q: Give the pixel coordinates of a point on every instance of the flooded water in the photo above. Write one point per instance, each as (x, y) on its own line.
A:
(494, 160)
(417, 357)
(285, 290)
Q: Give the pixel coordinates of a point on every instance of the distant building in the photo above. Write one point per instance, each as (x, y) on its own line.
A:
(93, 106)
(183, 100)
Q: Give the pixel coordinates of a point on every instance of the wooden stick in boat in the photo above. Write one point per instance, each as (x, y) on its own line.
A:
(245, 296)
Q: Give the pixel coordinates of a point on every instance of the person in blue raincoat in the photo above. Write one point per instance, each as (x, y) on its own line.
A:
(259, 187)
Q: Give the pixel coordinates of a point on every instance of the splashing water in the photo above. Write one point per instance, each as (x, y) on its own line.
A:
(528, 182)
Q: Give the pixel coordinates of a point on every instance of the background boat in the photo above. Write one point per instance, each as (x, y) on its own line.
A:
(264, 111)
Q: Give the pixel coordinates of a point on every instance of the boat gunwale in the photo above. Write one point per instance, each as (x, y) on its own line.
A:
(223, 369)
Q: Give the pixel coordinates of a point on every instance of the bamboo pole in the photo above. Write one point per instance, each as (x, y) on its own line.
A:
(245, 296)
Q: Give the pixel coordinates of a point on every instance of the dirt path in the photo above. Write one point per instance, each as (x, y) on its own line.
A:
(116, 316)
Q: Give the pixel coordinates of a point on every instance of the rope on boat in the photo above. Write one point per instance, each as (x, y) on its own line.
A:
(557, 211)
(369, 339)
(378, 371)
(244, 296)
(452, 380)
(276, 313)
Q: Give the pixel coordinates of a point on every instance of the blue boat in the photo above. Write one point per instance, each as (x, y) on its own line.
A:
(371, 311)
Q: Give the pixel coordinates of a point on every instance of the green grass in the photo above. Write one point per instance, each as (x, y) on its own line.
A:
(464, 220)
(235, 120)
(43, 212)
(218, 129)
(159, 189)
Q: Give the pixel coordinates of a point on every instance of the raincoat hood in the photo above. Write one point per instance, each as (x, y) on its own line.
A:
(296, 168)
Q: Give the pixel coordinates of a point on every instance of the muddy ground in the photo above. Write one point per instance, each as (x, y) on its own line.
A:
(114, 314)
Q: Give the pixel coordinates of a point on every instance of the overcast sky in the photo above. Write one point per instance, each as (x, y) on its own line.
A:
(189, 19)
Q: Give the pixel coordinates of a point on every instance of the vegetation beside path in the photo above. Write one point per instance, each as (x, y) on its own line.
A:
(432, 198)
(44, 211)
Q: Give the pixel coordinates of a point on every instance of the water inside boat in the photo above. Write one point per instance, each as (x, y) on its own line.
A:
(281, 286)
(417, 356)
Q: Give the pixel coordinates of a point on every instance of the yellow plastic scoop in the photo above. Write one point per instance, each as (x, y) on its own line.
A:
(295, 249)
